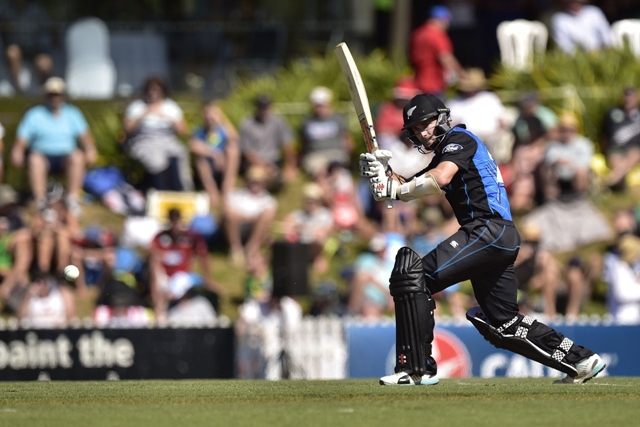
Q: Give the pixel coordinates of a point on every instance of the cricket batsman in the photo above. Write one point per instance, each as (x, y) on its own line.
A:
(483, 251)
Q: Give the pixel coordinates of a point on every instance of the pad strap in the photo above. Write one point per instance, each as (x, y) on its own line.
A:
(561, 351)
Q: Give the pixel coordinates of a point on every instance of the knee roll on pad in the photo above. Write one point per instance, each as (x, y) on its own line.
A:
(513, 334)
(414, 315)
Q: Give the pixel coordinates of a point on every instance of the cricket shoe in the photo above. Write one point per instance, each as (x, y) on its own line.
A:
(587, 369)
(403, 378)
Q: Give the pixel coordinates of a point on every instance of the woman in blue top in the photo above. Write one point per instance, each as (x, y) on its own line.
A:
(216, 151)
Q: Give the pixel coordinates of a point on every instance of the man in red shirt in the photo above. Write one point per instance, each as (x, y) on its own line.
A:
(172, 251)
(432, 53)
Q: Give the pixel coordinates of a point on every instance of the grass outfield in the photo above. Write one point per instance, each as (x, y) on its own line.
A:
(473, 402)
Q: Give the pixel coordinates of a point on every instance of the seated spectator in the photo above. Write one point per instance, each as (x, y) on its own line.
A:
(580, 26)
(47, 141)
(342, 197)
(482, 111)
(266, 141)
(52, 229)
(217, 153)
(16, 251)
(533, 127)
(311, 225)
(187, 309)
(120, 306)
(93, 253)
(324, 135)
(369, 295)
(25, 39)
(248, 213)
(389, 121)
(621, 138)
(567, 161)
(621, 268)
(172, 251)
(47, 303)
(152, 126)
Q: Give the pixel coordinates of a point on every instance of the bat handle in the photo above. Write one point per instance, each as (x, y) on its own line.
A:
(389, 204)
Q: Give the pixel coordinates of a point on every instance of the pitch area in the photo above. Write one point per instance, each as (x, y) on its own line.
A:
(606, 401)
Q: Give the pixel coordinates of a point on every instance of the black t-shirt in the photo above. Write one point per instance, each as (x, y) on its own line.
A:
(476, 190)
(622, 129)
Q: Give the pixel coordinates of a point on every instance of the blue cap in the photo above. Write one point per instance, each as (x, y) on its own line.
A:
(440, 12)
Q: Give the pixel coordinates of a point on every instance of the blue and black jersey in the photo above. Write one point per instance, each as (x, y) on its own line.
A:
(477, 190)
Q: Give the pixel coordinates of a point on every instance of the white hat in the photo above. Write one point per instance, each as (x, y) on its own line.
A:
(320, 95)
(54, 85)
(378, 243)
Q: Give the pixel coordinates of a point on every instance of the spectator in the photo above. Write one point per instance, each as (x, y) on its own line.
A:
(621, 138)
(47, 303)
(48, 136)
(266, 141)
(431, 54)
(152, 126)
(482, 111)
(172, 252)
(52, 229)
(342, 198)
(324, 135)
(16, 251)
(580, 26)
(621, 267)
(24, 38)
(567, 160)
(248, 213)
(93, 253)
(327, 301)
(368, 291)
(187, 309)
(389, 121)
(311, 225)
(119, 306)
(217, 153)
(533, 127)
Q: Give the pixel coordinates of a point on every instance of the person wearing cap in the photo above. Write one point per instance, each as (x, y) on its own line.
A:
(483, 251)
(215, 146)
(621, 138)
(248, 213)
(324, 136)
(482, 111)
(578, 25)
(567, 160)
(311, 225)
(266, 141)
(152, 126)
(431, 53)
(54, 138)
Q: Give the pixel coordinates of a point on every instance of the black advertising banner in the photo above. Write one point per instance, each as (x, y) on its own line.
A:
(95, 354)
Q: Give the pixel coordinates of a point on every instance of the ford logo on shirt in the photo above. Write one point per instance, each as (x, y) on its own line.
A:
(451, 148)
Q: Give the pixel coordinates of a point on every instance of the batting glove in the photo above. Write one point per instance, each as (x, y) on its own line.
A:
(383, 187)
(376, 163)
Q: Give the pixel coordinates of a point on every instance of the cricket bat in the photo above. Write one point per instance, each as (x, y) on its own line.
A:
(358, 97)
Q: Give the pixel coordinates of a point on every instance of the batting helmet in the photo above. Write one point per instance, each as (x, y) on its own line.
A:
(424, 107)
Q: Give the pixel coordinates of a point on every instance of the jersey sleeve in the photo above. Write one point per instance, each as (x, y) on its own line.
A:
(459, 148)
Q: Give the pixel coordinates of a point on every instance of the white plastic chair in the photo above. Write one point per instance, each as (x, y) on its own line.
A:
(629, 30)
(518, 40)
(90, 71)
